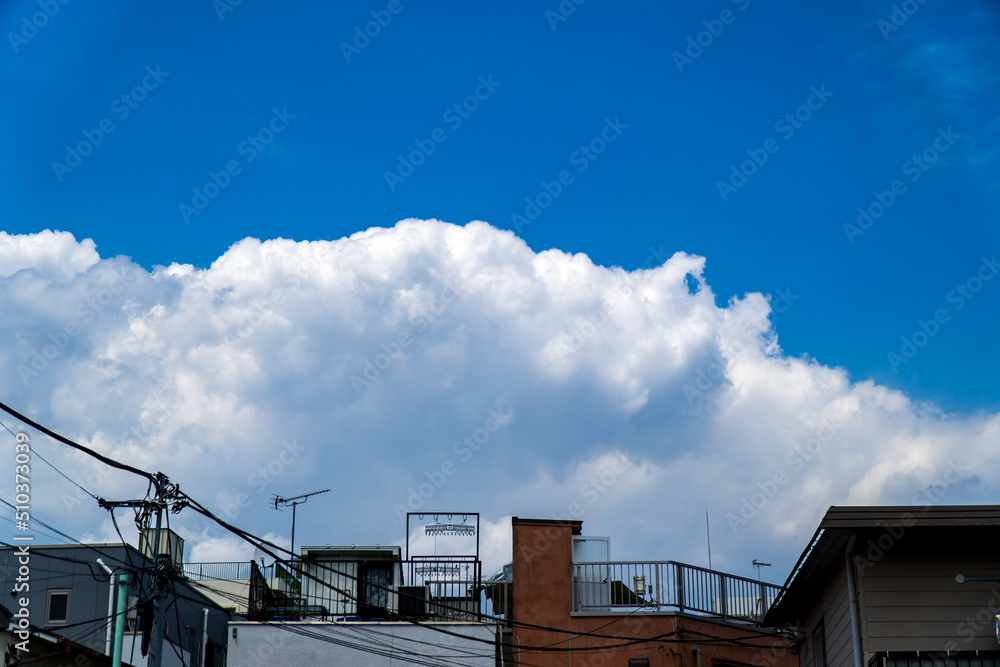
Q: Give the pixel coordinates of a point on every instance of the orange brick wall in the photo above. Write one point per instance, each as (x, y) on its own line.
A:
(543, 596)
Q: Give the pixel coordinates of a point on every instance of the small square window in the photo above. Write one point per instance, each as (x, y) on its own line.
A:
(57, 608)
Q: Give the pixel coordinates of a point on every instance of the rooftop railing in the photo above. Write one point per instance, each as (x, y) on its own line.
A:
(664, 585)
(223, 570)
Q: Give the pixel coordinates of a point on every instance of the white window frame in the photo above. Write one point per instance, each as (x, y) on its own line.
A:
(48, 606)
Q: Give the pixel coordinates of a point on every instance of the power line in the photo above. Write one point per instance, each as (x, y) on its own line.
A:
(629, 641)
(37, 520)
(66, 441)
(166, 490)
(65, 476)
(46, 461)
(663, 638)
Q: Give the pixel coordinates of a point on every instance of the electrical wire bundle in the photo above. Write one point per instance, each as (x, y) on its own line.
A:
(168, 496)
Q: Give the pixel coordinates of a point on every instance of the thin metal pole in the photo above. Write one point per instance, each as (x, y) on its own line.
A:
(708, 531)
(116, 657)
(204, 634)
(294, 505)
(111, 601)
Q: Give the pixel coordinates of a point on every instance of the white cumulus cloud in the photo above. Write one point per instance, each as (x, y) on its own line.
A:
(434, 367)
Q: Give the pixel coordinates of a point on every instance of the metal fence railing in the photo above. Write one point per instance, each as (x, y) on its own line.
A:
(439, 587)
(656, 585)
(449, 585)
(223, 570)
(452, 588)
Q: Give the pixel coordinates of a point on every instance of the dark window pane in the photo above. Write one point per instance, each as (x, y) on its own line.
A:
(58, 608)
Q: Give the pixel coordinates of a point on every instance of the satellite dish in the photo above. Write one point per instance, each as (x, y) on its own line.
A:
(260, 557)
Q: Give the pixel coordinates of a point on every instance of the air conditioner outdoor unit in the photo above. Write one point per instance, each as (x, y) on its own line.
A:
(413, 600)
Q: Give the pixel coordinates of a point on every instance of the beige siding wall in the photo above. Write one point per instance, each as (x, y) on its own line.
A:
(833, 609)
(912, 602)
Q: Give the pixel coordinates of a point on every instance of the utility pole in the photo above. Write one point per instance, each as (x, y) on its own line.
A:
(156, 634)
(167, 497)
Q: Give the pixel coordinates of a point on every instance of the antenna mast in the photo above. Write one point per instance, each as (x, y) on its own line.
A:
(295, 501)
(708, 531)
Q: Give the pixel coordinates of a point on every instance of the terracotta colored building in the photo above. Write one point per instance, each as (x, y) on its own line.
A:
(572, 606)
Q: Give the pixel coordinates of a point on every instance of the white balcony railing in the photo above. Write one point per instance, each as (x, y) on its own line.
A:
(664, 585)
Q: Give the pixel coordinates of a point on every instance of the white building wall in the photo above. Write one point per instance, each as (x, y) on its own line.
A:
(295, 644)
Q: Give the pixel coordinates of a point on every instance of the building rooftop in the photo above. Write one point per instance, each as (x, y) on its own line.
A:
(842, 524)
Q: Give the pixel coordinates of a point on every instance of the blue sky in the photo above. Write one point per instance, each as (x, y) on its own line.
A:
(620, 123)
(323, 177)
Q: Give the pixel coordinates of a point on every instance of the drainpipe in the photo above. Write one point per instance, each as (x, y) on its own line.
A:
(111, 600)
(697, 656)
(852, 592)
(204, 635)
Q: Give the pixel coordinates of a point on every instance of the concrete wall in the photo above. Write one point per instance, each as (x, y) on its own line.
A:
(356, 644)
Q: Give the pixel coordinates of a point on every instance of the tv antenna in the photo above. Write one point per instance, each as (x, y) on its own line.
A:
(294, 501)
(762, 601)
(757, 564)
